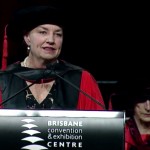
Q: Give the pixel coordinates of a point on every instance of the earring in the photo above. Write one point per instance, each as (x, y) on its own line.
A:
(28, 48)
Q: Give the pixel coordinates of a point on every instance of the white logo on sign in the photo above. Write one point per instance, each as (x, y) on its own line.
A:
(34, 147)
(32, 139)
(31, 132)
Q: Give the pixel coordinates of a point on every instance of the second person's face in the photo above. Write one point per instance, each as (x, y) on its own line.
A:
(142, 111)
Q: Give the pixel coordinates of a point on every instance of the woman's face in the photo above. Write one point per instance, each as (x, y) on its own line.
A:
(142, 111)
(45, 42)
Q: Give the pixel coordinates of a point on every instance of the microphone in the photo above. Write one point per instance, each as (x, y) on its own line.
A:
(51, 67)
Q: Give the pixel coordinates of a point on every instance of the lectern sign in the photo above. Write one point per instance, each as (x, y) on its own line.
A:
(58, 130)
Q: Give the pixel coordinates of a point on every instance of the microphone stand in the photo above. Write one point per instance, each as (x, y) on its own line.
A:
(17, 93)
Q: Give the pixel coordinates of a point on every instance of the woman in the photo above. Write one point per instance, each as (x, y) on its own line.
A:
(45, 75)
(135, 98)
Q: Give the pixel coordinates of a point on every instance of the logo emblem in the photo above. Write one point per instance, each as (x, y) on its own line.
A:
(32, 132)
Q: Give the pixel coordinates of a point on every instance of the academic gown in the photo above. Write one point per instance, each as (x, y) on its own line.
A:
(66, 97)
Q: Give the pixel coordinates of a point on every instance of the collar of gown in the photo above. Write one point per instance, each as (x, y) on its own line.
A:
(41, 75)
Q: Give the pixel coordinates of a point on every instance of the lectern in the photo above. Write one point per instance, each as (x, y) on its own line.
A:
(61, 130)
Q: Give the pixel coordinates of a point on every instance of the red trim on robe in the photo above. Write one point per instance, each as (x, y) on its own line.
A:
(5, 51)
(90, 86)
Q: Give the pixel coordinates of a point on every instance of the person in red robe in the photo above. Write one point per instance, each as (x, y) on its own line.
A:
(42, 80)
(135, 98)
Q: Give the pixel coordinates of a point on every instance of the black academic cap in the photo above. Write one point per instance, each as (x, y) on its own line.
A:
(26, 19)
(130, 92)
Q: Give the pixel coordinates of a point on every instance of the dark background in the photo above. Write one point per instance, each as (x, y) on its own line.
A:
(110, 39)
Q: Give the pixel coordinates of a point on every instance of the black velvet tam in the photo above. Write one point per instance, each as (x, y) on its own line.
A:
(26, 19)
